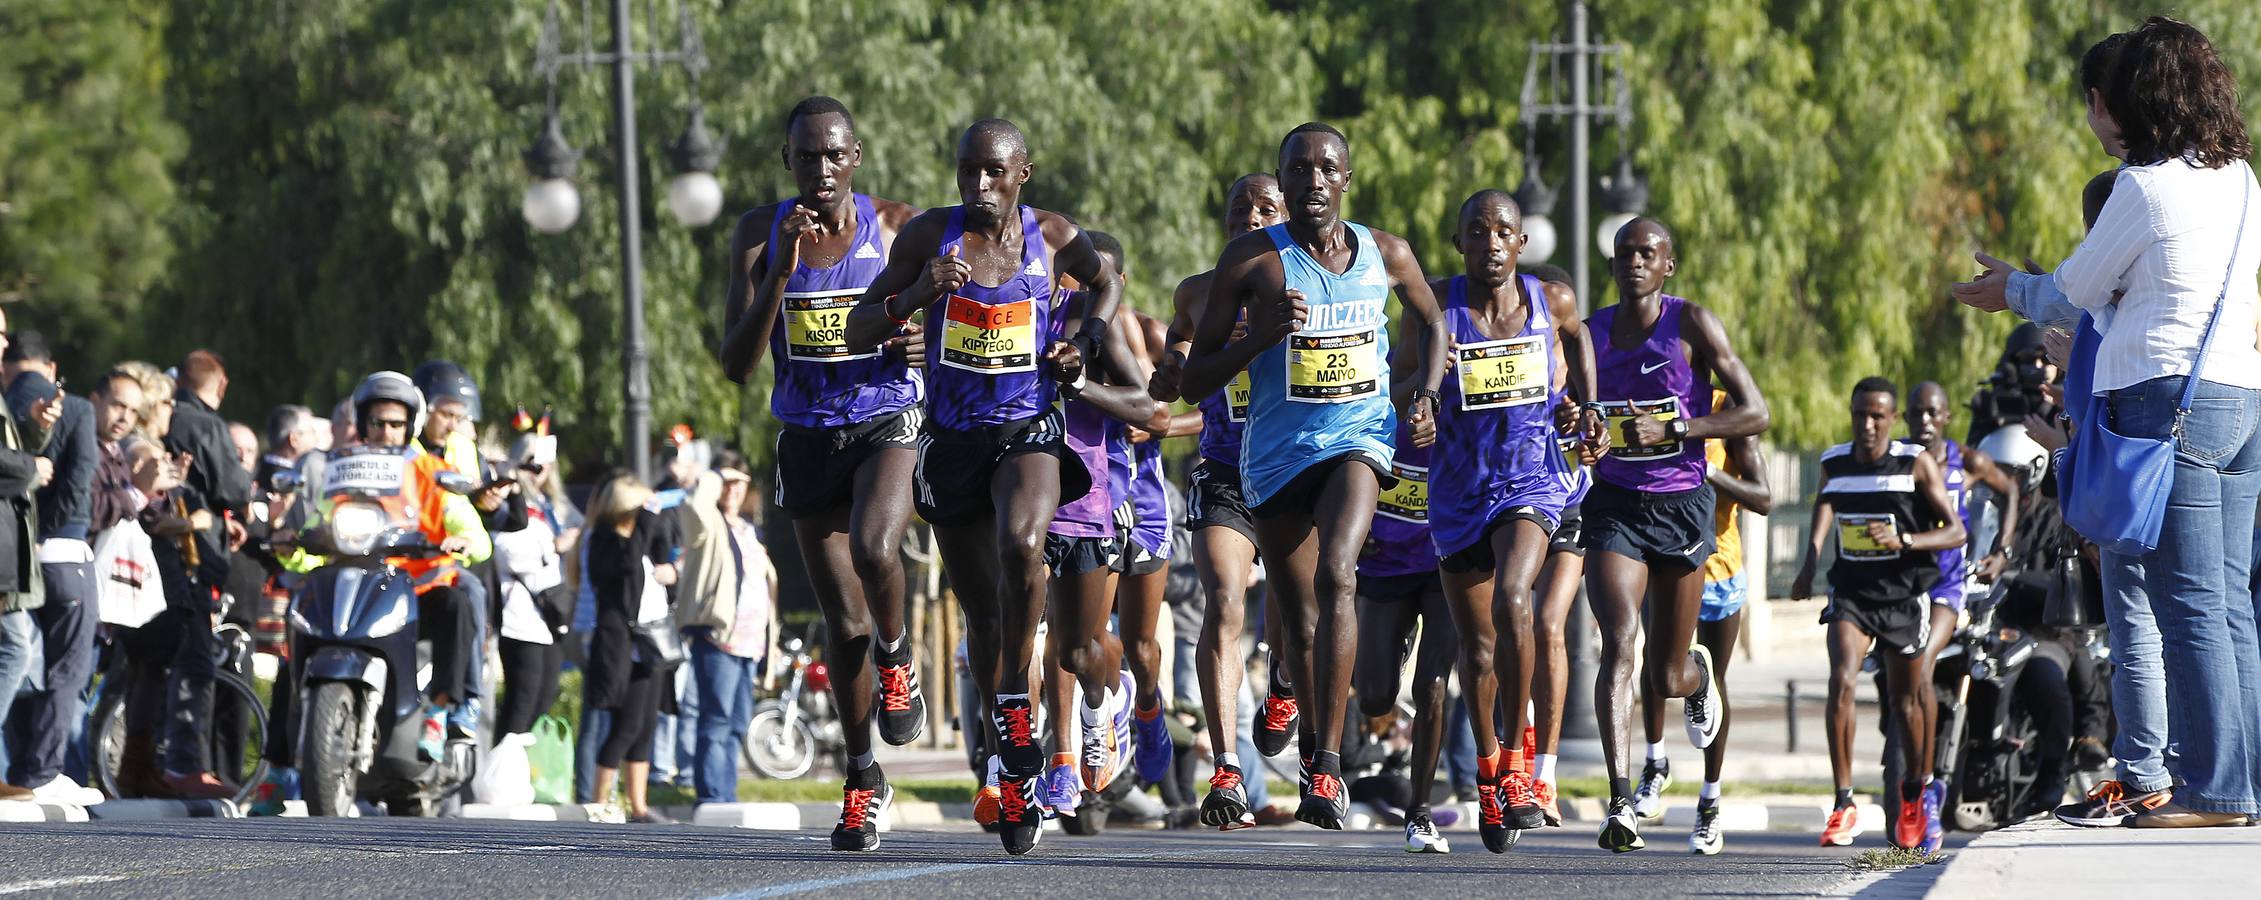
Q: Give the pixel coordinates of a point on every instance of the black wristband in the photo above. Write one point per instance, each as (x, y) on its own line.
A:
(1436, 400)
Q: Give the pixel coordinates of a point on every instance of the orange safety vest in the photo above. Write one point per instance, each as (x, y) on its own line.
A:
(430, 507)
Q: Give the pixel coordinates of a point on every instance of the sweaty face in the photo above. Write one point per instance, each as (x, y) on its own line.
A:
(1928, 415)
(1873, 413)
(1644, 259)
(1490, 241)
(1256, 205)
(991, 169)
(1314, 173)
(118, 408)
(823, 155)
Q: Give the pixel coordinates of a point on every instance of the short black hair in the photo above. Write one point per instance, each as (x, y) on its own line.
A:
(1494, 195)
(1549, 273)
(1877, 384)
(1003, 128)
(818, 105)
(27, 346)
(727, 458)
(1314, 128)
(2095, 195)
(2096, 64)
(1106, 244)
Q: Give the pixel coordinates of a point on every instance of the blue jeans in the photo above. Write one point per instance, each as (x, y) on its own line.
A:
(44, 721)
(596, 726)
(726, 705)
(19, 636)
(2199, 585)
(2139, 676)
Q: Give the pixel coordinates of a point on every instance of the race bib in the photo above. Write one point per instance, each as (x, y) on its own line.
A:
(1236, 397)
(1334, 368)
(1409, 500)
(1854, 542)
(1615, 413)
(1501, 374)
(816, 326)
(989, 339)
(1568, 444)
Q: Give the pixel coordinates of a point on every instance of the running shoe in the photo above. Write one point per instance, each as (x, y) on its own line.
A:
(1275, 724)
(1491, 819)
(1844, 825)
(1621, 832)
(1519, 802)
(864, 798)
(902, 704)
(1326, 801)
(1099, 750)
(1530, 750)
(463, 720)
(1421, 835)
(1226, 807)
(1934, 834)
(1545, 792)
(1020, 821)
(1154, 747)
(985, 800)
(2110, 805)
(1018, 748)
(1648, 797)
(1908, 828)
(1706, 840)
(1061, 790)
(1702, 708)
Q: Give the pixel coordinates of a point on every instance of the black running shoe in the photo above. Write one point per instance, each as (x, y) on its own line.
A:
(1020, 820)
(1226, 807)
(1019, 750)
(1275, 723)
(1621, 832)
(1326, 801)
(902, 705)
(864, 797)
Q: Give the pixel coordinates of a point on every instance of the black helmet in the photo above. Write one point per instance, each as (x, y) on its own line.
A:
(442, 380)
(393, 386)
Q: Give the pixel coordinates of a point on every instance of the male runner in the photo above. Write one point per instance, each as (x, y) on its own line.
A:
(1737, 472)
(992, 465)
(1142, 512)
(1315, 289)
(1224, 536)
(1648, 517)
(1887, 502)
(1398, 590)
(844, 455)
(1559, 580)
(1501, 483)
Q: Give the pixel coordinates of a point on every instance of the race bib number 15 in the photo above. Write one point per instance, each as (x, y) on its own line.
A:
(990, 339)
(1334, 368)
(1501, 374)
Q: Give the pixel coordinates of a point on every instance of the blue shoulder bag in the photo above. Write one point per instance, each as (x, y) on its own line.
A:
(2114, 487)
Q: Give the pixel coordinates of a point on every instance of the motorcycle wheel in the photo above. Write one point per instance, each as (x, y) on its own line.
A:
(328, 778)
(106, 734)
(777, 750)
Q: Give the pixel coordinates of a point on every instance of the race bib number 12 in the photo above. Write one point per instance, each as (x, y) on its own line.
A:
(1334, 368)
(990, 339)
(816, 326)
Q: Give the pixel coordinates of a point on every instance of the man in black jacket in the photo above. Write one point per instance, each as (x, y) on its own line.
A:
(214, 471)
(40, 727)
(22, 470)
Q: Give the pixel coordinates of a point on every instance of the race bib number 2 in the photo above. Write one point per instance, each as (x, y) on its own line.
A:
(1334, 368)
(1409, 500)
(816, 326)
(990, 339)
(1616, 413)
(1501, 374)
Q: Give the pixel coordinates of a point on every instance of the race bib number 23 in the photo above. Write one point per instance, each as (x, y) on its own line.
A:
(1334, 368)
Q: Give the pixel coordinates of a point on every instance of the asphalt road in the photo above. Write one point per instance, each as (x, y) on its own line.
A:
(359, 858)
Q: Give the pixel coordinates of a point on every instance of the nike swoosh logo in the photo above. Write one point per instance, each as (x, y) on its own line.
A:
(1647, 369)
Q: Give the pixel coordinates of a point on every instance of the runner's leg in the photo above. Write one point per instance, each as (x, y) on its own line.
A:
(1720, 636)
(1615, 586)
(1025, 492)
(1223, 558)
(1344, 512)
(1848, 645)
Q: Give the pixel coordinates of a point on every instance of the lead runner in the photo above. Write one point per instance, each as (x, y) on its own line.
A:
(1321, 427)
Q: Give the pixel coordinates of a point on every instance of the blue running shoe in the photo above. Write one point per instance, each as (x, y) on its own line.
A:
(1155, 750)
(1934, 834)
(1060, 790)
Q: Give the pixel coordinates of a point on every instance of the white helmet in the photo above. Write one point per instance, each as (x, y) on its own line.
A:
(2010, 446)
(393, 386)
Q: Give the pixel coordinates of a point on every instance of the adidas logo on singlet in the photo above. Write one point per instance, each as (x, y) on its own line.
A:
(1035, 268)
(867, 251)
(1372, 277)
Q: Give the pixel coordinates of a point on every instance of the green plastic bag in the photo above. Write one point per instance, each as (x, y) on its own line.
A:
(550, 761)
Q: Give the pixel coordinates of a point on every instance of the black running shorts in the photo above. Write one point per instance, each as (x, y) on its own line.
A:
(1653, 528)
(956, 467)
(1570, 536)
(1300, 496)
(1903, 626)
(1071, 556)
(1478, 557)
(816, 467)
(1216, 501)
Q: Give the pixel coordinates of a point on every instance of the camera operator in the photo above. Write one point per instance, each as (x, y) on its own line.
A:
(2014, 390)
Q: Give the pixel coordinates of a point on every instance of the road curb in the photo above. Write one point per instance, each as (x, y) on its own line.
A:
(152, 810)
(27, 811)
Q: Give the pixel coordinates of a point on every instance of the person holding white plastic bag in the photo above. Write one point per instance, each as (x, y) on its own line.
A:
(536, 612)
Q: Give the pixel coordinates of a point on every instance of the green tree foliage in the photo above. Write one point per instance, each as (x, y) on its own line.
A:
(349, 180)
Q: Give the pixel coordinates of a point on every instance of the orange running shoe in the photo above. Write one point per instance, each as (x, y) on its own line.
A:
(1844, 825)
(1544, 790)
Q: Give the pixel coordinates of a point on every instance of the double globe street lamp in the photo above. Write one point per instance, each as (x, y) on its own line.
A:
(693, 197)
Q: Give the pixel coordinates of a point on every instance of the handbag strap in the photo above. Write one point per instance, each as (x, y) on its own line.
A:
(2198, 365)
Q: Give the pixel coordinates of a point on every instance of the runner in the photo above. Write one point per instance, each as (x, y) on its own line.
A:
(844, 455)
(1875, 494)
(992, 462)
(1398, 590)
(1559, 580)
(1737, 473)
(1501, 484)
(1315, 289)
(1224, 537)
(1648, 517)
(1142, 514)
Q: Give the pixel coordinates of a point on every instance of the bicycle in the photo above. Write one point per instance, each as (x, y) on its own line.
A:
(237, 740)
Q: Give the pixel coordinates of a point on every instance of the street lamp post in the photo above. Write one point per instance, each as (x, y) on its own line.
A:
(1623, 195)
(694, 197)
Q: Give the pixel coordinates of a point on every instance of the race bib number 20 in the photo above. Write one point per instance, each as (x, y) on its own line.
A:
(1334, 368)
(990, 339)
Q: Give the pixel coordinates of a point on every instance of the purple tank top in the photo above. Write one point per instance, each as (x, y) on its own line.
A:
(1093, 514)
(1399, 541)
(985, 345)
(1223, 415)
(1153, 529)
(1958, 496)
(1651, 377)
(1495, 426)
(820, 383)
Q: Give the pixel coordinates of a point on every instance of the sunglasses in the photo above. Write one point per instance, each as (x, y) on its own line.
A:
(400, 424)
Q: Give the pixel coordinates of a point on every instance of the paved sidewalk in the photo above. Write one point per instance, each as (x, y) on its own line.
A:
(2051, 859)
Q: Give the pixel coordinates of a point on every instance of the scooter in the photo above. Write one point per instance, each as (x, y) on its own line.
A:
(354, 625)
(789, 732)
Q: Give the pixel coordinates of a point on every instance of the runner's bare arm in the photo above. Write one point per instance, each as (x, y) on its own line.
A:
(749, 310)
(1931, 485)
(1274, 313)
(1076, 259)
(1824, 518)
(1708, 338)
(905, 286)
(1747, 486)
(1982, 467)
(1185, 315)
(1416, 300)
(1126, 404)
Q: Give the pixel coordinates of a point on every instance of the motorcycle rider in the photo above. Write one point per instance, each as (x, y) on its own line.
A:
(387, 411)
(449, 430)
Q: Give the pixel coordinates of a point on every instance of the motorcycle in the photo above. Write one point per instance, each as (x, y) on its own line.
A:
(354, 626)
(788, 733)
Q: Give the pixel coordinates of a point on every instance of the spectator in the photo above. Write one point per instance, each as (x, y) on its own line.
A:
(156, 417)
(727, 607)
(215, 471)
(246, 444)
(537, 606)
(627, 567)
(42, 722)
(22, 471)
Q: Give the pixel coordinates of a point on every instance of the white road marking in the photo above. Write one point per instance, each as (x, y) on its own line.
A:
(48, 884)
(826, 884)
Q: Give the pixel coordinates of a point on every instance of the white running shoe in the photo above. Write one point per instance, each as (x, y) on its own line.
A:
(1702, 708)
(1706, 840)
(1648, 796)
(1421, 836)
(1621, 832)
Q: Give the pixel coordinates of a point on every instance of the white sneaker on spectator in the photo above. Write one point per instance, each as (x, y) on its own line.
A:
(62, 791)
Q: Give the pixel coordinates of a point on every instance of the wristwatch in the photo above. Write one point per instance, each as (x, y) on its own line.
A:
(1436, 400)
(1677, 429)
